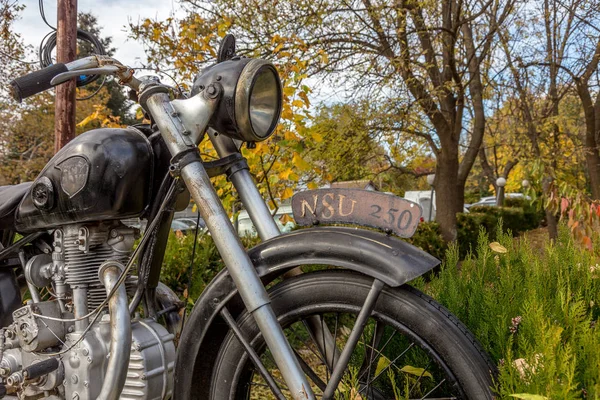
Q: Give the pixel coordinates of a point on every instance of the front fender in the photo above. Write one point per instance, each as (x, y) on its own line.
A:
(380, 256)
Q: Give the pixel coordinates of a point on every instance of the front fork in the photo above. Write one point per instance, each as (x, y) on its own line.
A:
(174, 125)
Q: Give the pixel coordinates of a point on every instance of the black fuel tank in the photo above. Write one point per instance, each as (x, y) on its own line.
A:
(101, 174)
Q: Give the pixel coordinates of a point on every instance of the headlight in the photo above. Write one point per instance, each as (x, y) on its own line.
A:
(250, 106)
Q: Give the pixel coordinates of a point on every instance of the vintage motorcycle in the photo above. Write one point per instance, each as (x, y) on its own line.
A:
(101, 325)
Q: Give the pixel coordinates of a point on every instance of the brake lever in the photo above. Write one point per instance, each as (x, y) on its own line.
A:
(65, 76)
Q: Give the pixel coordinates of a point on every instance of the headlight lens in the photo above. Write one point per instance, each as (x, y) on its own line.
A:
(251, 103)
(264, 103)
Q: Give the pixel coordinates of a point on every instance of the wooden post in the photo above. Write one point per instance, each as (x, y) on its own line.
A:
(66, 51)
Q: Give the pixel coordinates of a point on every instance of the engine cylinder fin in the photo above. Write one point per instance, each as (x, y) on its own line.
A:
(85, 248)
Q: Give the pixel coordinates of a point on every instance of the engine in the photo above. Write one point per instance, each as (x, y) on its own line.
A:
(56, 349)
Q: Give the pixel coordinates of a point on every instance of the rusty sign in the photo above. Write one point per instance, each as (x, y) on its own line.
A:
(360, 207)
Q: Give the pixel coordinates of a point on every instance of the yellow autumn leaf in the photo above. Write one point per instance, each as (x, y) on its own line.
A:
(382, 364)
(527, 396)
(317, 137)
(416, 371)
(287, 193)
(285, 174)
(298, 103)
(285, 218)
(289, 90)
(289, 135)
(312, 185)
(87, 120)
(498, 248)
(299, 162)
(287, 114)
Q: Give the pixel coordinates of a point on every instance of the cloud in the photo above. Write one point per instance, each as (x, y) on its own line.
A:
(113, 16)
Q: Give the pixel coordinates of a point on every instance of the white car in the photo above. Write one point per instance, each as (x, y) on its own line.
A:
(490, 201)
(245, 227)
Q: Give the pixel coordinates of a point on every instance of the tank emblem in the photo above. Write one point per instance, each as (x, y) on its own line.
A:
(74, 174)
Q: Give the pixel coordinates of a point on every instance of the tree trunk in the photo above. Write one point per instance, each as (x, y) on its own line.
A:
(592, 155)
(551, 219)
(448, 196)
(593, 163)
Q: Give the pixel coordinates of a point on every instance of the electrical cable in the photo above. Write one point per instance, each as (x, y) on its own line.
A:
(43, 14)
(95, 92)
(130, 263)
(191, 268)
(48, 44)
(119, 282)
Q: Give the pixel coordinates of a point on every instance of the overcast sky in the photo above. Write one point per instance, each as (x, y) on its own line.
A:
(113, 16)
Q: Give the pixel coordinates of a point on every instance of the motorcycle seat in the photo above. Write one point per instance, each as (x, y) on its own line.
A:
(10, 197)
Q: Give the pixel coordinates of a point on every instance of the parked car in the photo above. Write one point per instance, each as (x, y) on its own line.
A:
(283, 217)
(423, 198)
(192, 222)
(490, 201)
(187, 225)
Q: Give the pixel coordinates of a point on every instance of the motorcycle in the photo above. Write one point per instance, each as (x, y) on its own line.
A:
(101, 325)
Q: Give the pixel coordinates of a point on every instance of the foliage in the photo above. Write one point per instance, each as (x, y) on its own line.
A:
(429, 238)
(396, 58)
(117, 104)
(519, 216)
(181, 48)
(27, 129)
(206, 264)
(534, 311)
(350, 148)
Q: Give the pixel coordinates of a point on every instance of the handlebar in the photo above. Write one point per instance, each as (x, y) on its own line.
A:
(35, 82)
(44, 79)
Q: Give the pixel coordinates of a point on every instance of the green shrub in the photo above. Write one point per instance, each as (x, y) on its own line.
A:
(207, 263)
(429, 238)
(535, 313)
(514, 219)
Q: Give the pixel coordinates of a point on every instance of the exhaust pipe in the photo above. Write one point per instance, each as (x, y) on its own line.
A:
(120, 332)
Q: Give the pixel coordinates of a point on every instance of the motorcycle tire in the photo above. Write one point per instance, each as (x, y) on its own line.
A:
(434, 355)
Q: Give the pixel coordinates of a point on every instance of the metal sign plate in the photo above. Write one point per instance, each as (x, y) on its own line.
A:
(360, 207)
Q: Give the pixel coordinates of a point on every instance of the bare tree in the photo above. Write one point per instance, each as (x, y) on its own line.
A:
(546, 62)
(419, 55)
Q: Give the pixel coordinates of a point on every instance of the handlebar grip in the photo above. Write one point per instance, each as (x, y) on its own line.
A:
(35, 82)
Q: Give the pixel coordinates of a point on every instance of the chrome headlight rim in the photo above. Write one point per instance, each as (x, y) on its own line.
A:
(243, 96)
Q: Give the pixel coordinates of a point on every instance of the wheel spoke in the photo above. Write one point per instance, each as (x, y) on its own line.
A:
(251, 353)
(324, 341)
(420, 377)
(310, 372)
(370, 351)
(355, 334)
(388, 366)
(324, 345)
(433, 390)
(307, 345)
(380, 352)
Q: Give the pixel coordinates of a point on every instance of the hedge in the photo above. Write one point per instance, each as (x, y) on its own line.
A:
(517, 217)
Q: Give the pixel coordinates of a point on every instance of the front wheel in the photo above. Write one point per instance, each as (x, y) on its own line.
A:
(410, 347)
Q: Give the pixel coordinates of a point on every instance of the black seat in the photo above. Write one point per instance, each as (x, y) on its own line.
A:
(10, 197)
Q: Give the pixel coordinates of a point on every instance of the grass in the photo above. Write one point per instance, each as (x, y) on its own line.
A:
(534, 308)
(534, 312)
